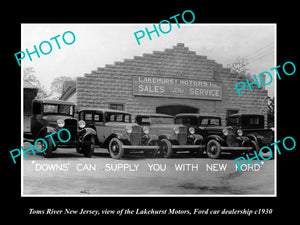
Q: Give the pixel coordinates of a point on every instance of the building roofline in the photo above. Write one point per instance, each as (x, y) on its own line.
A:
(246, 114)
(154, 115)
(102, 110)
(54, 101)
(198, 114)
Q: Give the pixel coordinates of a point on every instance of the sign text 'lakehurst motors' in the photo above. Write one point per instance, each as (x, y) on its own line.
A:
(177, 88)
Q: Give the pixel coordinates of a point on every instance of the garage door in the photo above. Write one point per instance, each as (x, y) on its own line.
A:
(176, 109)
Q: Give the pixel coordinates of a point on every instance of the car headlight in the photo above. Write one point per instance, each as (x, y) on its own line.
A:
(81, 123)
(146, 130)
(61, 123)
(191, 130)
(128, 129)
(225, 131)
(176, 130)
(239, 132)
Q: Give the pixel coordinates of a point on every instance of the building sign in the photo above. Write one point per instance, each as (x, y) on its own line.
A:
(177, 88)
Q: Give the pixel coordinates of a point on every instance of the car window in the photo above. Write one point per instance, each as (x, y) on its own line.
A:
(98, 117)
(50, 108)
(162, 120)
(118, 117)
(233, 121)
(215, 121)
(253, 121)
(187, 121)
(142, 120)
(179, 120)
(88, 116)
(59, 109)
(205, 121)
(211, 121)
(127, 118)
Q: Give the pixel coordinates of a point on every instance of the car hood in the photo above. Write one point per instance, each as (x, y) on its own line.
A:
(120, 124)
(218, 130)
(170, 126)
(215, 128)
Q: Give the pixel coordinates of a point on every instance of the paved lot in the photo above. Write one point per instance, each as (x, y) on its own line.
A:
(69, 173)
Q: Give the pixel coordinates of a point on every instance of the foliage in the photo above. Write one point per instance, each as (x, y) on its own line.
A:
(29, 76)
(239, 68)
(271, 111)
(57, 84)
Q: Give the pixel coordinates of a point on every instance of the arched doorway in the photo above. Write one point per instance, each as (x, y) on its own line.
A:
(176, 109)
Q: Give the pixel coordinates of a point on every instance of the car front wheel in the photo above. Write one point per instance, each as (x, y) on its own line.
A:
(197, 152)
(115, 148)
(152, 153)
(88, 151)
(213, 149)
(166, 148)
(46, 152)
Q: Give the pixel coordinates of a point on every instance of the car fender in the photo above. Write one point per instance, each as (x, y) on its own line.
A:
(169, 137)
(152, 137)
(197, 137)
(44, 131)
(86, 132)
(165, 136)
(120, 136)
(214, 137)
(255, 138)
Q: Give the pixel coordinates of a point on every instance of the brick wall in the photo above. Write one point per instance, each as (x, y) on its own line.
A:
(113, 84)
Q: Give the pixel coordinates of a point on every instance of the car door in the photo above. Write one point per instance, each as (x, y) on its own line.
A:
(99, 126)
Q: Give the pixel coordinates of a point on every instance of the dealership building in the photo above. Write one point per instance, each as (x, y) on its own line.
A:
(173, 81)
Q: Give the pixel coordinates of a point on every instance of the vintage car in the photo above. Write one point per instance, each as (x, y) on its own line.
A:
(48, 117)
(169, 136)
(252, 126)
(217, 138)
(115, 131)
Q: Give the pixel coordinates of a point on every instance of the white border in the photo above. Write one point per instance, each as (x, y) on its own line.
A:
(167, 195)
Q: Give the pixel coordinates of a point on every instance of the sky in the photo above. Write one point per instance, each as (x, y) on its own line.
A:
(99, 44)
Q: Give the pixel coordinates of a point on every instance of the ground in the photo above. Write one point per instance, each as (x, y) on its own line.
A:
(70, 173)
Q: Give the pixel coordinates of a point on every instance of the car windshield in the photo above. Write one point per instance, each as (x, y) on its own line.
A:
(211, 121)
(253, 121)
(58, 109)
(187, 121)
(233, 121)
(117, 117)
(161, 120)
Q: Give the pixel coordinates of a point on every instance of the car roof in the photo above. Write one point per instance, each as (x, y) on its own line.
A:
(197, 115)
(155, 115)
(103, 110)
(53, 101)
(245, 114)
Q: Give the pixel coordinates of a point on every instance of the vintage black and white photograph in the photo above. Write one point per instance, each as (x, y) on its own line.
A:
(165, 109)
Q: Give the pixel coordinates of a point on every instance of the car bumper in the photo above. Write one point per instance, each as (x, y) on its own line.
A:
(187, 146)
(141, 147)
(73, 143)
(236, 148)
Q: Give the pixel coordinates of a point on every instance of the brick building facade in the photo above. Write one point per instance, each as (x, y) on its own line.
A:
(123, 86)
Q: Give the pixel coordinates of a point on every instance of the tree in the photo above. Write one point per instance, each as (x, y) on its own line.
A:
(239, 68)
(271, 110)
(29, 76)
(57, 84)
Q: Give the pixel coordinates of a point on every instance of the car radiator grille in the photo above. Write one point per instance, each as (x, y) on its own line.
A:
(136, 135)
(231, 138)
(182, 136)
(71, 125)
